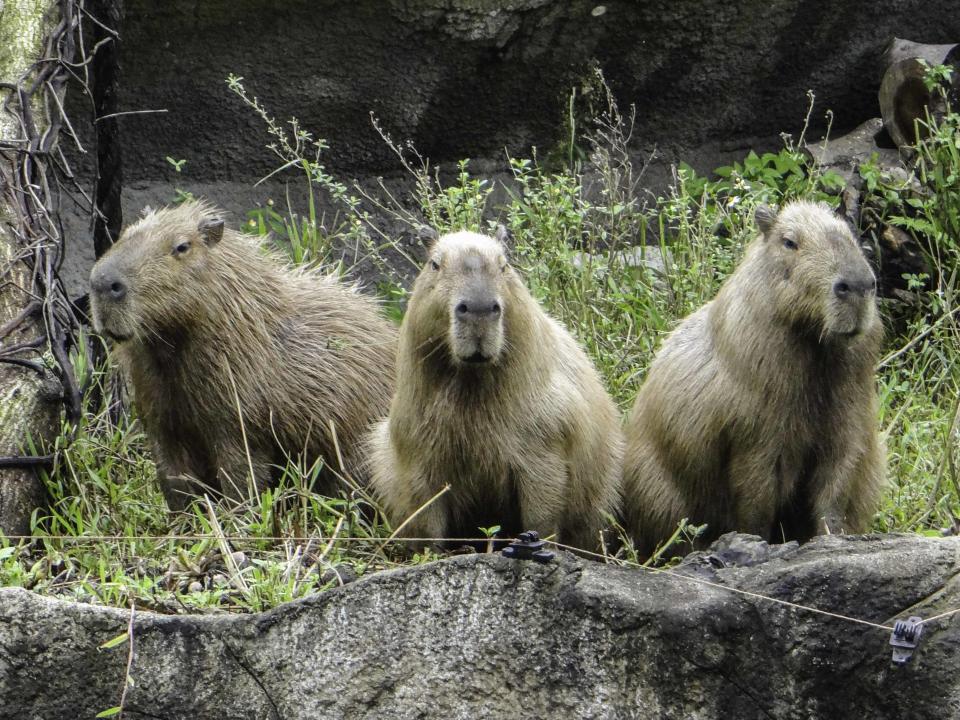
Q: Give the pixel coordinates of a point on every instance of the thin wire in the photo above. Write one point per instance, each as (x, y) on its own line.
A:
(748, 593)
(941, 615)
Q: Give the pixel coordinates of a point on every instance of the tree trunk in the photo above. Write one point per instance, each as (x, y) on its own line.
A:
(106, 82)
(29, 390)
(904, 98)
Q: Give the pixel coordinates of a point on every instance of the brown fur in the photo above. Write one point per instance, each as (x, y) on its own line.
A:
(224, 322)
(759, 412)
(504, 407)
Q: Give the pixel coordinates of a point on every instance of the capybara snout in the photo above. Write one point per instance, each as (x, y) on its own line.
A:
(476, 324)
(109, 291)
(477, 307)
(854, 296)
(473, 277)
(849, 289)
(854, 276)
(108, 285)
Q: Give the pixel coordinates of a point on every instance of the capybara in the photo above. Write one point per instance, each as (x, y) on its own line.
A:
(759, 412)
(497, 400)
(210, 327)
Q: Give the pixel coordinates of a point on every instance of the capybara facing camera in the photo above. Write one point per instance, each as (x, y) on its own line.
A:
(210, 328)
(497, 400)
(759, 412)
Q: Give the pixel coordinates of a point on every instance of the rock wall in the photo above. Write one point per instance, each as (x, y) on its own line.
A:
(467, 78)
(471, 78)
(486, 637)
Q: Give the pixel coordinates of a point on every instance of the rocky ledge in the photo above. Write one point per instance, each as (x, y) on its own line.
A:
(486, 637)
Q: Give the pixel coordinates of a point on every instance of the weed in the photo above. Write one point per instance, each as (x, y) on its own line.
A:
(180, 195)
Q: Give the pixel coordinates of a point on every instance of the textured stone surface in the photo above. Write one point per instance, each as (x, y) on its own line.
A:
(485, 637)
(469, 78)
(466, 78)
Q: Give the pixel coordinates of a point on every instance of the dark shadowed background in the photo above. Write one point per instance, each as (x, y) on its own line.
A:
(473, 78)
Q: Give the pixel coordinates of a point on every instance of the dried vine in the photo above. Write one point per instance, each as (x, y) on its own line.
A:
(35, 178)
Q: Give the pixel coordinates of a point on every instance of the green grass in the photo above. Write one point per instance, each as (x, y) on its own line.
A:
(108, 536)
(572, 229)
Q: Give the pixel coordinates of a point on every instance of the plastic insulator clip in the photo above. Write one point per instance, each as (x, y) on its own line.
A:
(528, 546)
(905, 638)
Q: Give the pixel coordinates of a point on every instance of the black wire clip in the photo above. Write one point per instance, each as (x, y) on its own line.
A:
(905, 638)
(528, 546)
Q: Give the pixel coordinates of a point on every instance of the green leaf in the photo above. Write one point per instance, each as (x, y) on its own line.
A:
(118, 640)
(109, 712)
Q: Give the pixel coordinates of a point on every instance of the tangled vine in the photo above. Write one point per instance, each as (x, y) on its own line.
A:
(36, 178)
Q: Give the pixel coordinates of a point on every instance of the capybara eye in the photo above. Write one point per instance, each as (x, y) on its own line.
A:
(181, 248)
(434, 264)
(789, 244)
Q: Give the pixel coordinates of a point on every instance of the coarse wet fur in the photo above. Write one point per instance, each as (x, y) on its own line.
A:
(759, 412)
(207, 324)
(497, 400)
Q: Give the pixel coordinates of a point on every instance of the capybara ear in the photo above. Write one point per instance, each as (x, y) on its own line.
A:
(765, 216)
(427, 235)
(147, 210)
(212, 230)
(504, 236)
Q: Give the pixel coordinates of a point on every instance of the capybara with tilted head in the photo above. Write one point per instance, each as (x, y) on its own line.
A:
(759, 412)
(497, 400)
(210, 327)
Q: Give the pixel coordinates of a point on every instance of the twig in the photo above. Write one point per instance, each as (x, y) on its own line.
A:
(235, 577)
(127, 679)
(26, 461)
(416, 512)
(37, 367)
(920, 336)
(130, 112)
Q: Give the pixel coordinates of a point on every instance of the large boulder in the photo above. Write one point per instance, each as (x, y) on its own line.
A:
(486, 637)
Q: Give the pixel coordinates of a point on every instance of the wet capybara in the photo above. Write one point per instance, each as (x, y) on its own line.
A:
(210, 328)
(497, 400)
(759, 412)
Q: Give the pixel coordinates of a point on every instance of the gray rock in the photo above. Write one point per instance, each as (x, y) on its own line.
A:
(339, 574)
(481, 636)
(650, 256)
(845, 154)
(467, 78)
(471, 78)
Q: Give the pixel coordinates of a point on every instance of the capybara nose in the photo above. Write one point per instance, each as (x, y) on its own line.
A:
(479, 309)
(109, 286)
(845, 287)
(118, 290)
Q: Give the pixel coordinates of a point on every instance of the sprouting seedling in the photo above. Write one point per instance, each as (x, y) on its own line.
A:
(490, 533)
(177, 164)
